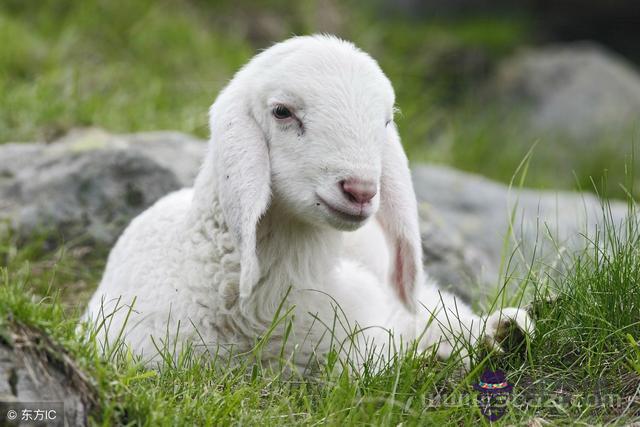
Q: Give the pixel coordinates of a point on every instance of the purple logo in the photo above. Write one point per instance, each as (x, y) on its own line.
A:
(494, 392)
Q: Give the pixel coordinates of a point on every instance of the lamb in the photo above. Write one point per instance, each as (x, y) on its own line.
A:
(304, 202)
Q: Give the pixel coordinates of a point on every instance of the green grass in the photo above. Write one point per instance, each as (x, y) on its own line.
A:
(492, 143)
(71, 270)
(125, 66)
(582, 365)
(148, 65)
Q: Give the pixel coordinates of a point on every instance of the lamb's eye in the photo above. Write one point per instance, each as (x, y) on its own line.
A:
(387, 123)
(281, 112)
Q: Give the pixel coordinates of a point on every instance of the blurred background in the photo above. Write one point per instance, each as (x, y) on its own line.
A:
(479, 83)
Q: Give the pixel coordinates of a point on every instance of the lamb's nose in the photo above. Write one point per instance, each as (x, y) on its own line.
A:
(358, 190)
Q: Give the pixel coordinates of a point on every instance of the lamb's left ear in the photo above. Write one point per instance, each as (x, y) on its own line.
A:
(243, 178)
(398, 215)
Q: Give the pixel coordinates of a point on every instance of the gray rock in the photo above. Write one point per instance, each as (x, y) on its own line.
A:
(91, 183)
(35, 369)
(579, 89)
(469, 244)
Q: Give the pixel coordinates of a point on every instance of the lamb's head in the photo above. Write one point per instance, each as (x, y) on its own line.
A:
(326, 110)
(307, 128)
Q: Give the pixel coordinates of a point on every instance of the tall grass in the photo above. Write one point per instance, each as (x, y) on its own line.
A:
(580, 366)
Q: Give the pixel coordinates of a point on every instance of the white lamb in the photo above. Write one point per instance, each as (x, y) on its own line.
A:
(305, 195)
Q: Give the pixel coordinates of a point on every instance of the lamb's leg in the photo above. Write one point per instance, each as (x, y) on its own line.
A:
(445, 322)
(363, 317)
(369, 315)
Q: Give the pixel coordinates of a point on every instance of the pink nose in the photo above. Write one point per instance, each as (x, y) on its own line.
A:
(358, 191)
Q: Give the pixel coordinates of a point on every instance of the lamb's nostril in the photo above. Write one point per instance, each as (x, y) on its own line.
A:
(358, 191)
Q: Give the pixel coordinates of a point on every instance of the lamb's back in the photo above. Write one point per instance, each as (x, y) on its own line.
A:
(148, 269)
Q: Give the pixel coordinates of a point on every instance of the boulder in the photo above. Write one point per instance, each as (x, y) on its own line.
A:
(477, 231)
(33, 368)
(580, 90)
(91, 184)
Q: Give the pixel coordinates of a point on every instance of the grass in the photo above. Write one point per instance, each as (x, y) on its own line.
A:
(582, 366)
(69, 269)
(148, 65)
(125, 66)
(493, 142)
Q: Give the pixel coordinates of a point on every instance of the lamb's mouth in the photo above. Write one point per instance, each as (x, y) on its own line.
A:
(343, 215)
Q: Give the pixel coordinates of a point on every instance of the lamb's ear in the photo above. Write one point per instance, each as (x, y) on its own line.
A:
(398, 215)
(242, 166)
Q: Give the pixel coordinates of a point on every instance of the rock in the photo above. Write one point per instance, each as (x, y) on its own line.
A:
(91, 183)
(35, 369)
(465, 224)
(453, 262)
(579, 89)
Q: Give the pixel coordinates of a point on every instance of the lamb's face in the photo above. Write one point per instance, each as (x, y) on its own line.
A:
(326, 131)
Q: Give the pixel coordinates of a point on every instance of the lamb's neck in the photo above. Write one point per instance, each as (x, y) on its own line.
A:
(295, 254)
(290, 253)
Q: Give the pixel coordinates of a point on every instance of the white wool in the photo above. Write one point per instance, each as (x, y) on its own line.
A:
(212, 265)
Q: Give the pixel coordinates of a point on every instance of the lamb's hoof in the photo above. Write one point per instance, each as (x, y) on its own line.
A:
(506, 330)
(543, 305)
